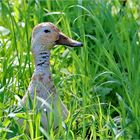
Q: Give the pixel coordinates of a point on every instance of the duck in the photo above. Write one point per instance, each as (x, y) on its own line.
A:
(41, 87)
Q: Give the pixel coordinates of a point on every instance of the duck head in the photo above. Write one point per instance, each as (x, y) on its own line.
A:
(46, 35)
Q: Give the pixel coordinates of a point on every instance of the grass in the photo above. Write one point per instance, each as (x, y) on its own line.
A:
(99, 83)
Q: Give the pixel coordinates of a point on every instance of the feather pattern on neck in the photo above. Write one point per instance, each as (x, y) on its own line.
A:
(42, 59)
(41, 79)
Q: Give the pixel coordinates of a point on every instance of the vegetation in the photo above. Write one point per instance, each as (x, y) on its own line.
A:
(99, 83)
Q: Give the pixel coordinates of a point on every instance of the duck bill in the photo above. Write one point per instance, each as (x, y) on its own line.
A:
(64, 40)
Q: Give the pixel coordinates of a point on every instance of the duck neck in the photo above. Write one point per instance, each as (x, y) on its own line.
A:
(42, 71)
(42, 60)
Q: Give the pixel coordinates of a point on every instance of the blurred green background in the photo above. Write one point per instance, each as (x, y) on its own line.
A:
(99, 83)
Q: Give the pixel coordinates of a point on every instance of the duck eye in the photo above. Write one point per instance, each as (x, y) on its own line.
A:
(47, 31)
